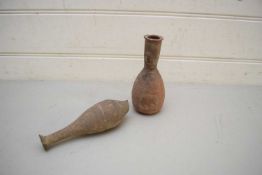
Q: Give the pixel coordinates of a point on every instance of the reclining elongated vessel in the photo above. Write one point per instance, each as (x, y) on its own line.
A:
(98, 118)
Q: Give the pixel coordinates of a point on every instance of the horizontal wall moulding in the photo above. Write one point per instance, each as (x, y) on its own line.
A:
(126, 56)
(132, 13)
(110, 69)
(124, 35)
(222, 7)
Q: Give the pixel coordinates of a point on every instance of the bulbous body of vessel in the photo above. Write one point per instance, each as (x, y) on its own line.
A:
(98, 118)
(148, 91)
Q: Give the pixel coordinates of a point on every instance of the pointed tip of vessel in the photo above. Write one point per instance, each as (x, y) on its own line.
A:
(42, 138)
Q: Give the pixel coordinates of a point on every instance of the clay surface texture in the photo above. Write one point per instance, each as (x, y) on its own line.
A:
(148, 91)
(98, 118)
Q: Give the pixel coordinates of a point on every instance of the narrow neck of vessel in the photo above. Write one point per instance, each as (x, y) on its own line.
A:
(152, 51)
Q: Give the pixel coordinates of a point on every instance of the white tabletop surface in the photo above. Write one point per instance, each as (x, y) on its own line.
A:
(202, 129)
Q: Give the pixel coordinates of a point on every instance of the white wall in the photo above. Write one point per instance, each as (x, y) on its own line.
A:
(205, 41)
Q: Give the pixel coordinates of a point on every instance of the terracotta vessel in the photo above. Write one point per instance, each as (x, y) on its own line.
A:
(98, 118)
(148, 91)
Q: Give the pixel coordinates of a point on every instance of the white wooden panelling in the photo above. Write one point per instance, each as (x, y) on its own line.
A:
(206, 41)
(223, 7)
(109, 34)
(112, 69)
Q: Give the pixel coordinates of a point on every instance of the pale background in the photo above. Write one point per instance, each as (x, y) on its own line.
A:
(206, 41)
(211, 63)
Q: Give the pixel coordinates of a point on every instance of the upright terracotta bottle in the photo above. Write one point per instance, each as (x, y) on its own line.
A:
(148, 91)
